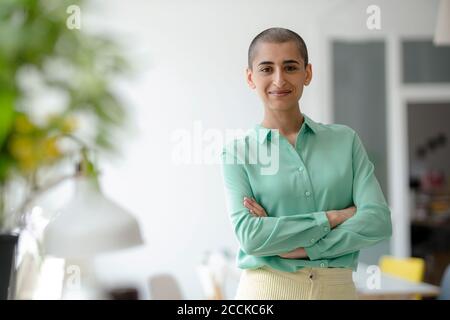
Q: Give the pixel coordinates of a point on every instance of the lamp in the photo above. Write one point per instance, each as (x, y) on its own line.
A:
(90, 224)
(442, 33)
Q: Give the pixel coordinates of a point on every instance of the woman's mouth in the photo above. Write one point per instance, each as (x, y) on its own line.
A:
(280, 93)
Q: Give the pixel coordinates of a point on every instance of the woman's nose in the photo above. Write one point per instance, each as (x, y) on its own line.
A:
(278, 79)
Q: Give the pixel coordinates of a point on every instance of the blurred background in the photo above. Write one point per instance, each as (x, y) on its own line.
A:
(138, 97)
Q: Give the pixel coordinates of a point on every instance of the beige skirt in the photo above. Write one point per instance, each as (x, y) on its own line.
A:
(306, 284)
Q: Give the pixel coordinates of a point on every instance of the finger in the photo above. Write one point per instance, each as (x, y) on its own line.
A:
(251, 203)
(257, 205)
(247, 203)
(260, 212)
(249, 206)
(253, 208)
(253, 213)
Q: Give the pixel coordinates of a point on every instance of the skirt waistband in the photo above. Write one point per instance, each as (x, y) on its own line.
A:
(328, 275)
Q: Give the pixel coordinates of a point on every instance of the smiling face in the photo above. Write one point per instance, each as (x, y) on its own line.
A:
(278, 74)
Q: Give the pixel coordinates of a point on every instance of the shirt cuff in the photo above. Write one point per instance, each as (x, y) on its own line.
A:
(324, 228)
(324, 225)
(313, 252)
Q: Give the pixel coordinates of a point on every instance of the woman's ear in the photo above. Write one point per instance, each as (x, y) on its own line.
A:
(309, 74)
(249, 77)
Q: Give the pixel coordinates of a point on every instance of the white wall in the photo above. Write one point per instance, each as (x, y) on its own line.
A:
(191, 58)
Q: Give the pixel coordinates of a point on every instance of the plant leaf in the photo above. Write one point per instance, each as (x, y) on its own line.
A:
(6, 115)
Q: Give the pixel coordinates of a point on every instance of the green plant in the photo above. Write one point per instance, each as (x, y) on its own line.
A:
(80, 66)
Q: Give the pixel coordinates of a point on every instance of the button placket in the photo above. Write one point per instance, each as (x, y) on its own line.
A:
(303, 175)
(308, 193)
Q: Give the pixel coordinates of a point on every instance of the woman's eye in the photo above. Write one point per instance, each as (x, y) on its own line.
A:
(265, 70)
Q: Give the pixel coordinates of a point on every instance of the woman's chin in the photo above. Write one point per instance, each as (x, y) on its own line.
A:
(282, 106)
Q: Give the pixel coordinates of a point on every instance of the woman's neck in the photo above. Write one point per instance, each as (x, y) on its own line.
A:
(287, 122)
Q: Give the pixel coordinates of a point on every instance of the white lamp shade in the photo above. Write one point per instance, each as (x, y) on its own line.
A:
(442, 33)
(90, 224)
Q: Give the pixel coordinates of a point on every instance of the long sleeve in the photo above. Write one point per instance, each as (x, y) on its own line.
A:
(267, 236)
(371, 222)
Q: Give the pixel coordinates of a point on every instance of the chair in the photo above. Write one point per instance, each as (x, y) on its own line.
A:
(445, 285)
(164, 287)
(412, 269)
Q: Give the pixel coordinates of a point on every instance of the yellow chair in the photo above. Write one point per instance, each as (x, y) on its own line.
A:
(412, 269)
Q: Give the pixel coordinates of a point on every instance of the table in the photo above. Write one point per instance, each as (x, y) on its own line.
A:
(371, 283)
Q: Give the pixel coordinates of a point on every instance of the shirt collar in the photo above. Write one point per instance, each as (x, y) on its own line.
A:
(263, 133)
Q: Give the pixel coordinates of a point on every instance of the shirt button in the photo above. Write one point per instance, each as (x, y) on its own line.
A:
(300, 169)
(312, 240)
(307, 193)
(326, 229)
(322, 265)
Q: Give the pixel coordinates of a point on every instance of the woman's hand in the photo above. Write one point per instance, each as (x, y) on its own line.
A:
(254, 207)
(298, 253)
(336, 217)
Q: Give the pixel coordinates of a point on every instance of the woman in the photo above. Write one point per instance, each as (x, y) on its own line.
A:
(302, 196)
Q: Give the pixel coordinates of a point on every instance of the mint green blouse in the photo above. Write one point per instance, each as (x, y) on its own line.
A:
(328, 169)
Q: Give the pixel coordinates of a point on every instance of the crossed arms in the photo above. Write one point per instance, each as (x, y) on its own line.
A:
(316, 235)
